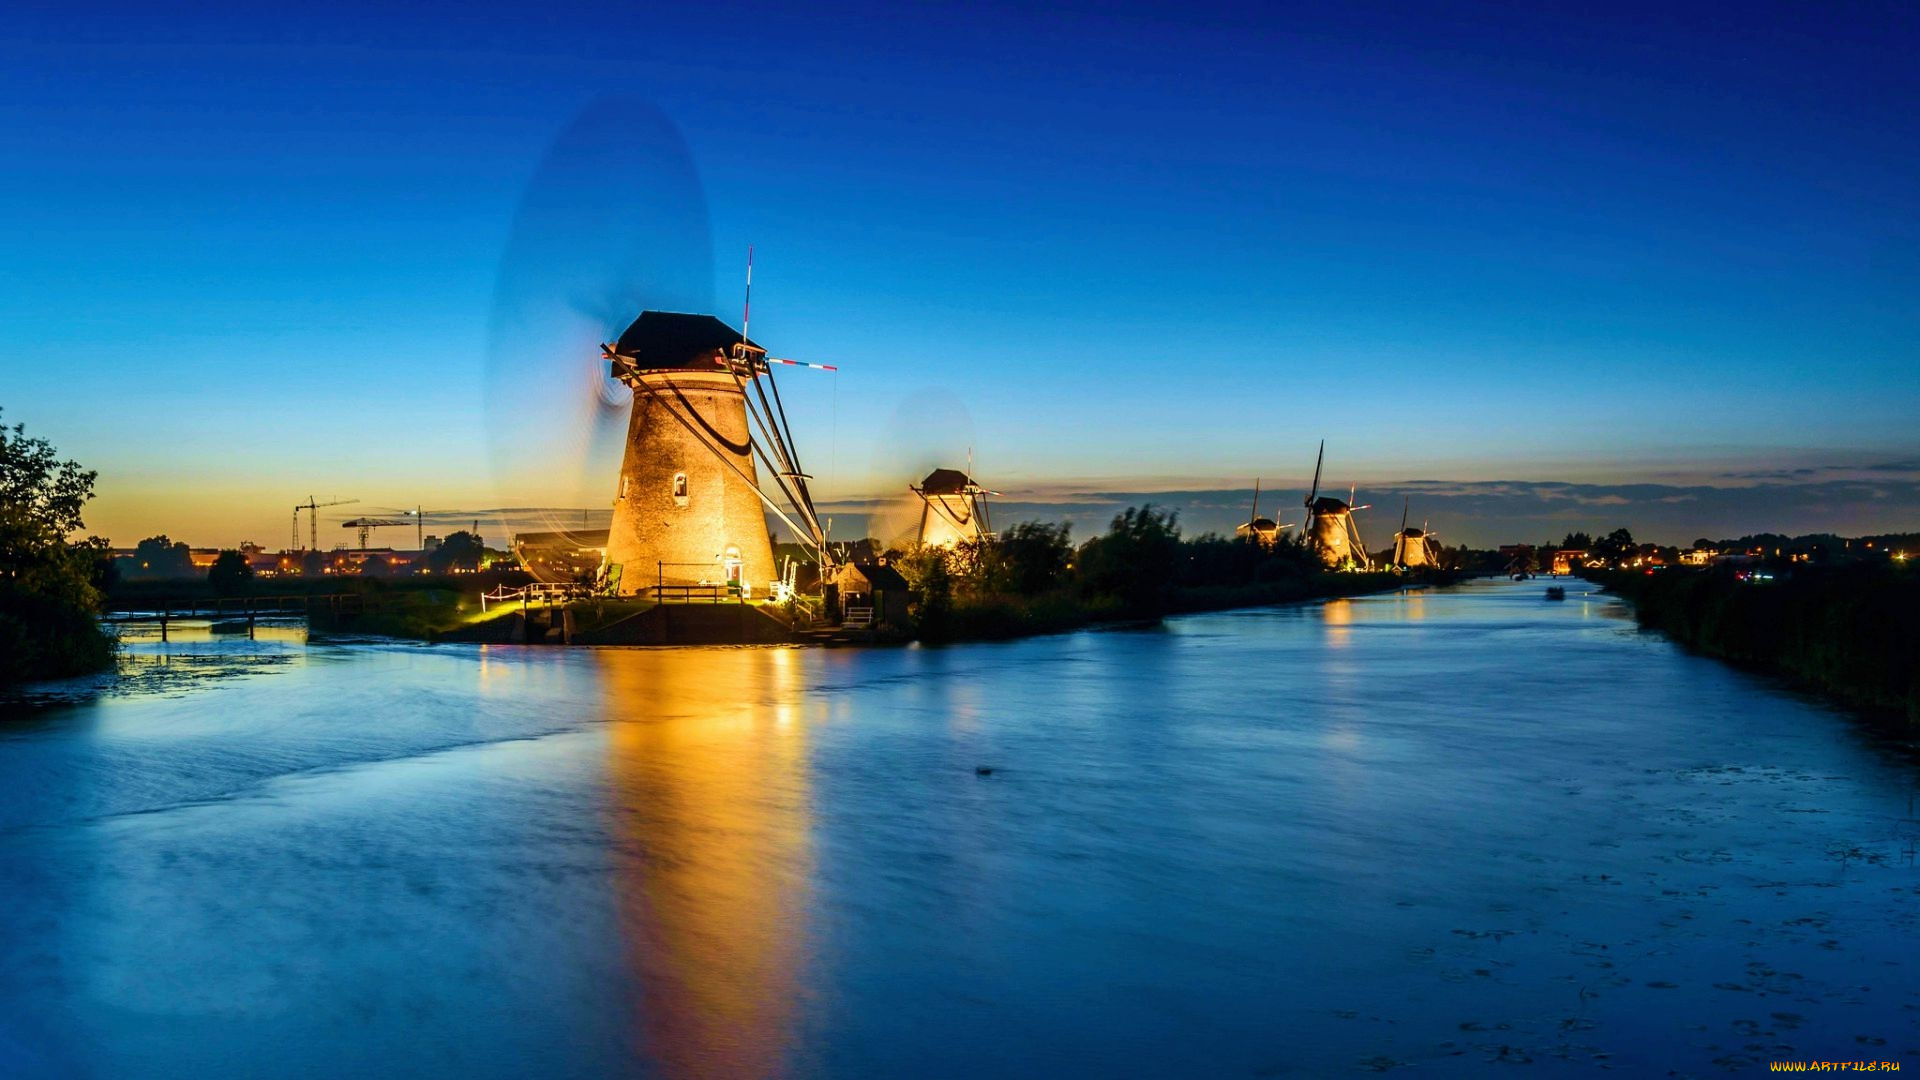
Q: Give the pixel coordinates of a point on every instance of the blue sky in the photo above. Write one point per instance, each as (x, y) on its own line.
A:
(248, 257)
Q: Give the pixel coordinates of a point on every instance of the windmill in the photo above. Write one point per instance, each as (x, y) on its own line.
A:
(1265, 530)
(1413, 548)
(665, 443)
(707, 424)
(953, 508)
(1330, 529)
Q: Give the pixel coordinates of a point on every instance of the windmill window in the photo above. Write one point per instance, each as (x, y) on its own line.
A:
(623, 486)
(680, 488)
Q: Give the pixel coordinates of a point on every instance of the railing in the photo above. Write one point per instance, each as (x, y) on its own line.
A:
(215, 605)
(808, 610)
(167, 612)
(538, 592)
(689, 594)
(858, 618)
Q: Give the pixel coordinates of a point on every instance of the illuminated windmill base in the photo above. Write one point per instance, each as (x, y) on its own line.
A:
(691, 508)
(1333, 536)
(682, 516)
(1413, 549)
(1264, 530)
(953, 509)
(1330, 530)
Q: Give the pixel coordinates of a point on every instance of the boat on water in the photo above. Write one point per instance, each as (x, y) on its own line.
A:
(1556, 592)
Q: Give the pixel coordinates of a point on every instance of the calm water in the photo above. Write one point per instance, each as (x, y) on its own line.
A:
(1433, 831)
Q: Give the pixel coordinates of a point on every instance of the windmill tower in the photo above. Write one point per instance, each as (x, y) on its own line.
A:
(691, 505)
(1413, 548)
(1330, 529)
(953, 509)
(1265, 530)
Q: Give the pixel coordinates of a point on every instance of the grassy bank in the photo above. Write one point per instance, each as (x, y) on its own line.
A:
(995, 618)
(1850, 633)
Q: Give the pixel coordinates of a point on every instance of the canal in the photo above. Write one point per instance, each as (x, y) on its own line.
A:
(1433, 833)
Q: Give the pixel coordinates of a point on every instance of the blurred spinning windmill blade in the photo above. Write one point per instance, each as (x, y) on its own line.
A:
(614, 221)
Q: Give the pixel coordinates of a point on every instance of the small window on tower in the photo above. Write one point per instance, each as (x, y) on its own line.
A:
(680, 487)
(623, 487)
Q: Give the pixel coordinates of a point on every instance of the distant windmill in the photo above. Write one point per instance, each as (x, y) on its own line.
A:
(953, 508)
(1265, 530)
(1330, 530)
(1413, 548)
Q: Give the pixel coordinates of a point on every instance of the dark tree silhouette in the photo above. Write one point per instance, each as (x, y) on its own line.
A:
(460, 551)
(47, 599)
(229, 575)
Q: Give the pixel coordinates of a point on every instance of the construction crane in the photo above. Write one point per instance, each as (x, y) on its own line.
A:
(366, 525)
(313, 520)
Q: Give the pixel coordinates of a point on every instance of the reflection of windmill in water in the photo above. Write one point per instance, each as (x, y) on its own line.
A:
(712, 860)
(689, 509)
(953, 509)
(1413, 548)
(1266, 530)
(1330, 530)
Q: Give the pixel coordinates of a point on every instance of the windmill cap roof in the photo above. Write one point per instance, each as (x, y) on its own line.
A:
(946, 482)
(1327, 504)
(678, 341)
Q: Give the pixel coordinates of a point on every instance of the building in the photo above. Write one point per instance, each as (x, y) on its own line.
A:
(953, 509)
(1264, 529)
(687, 509)
(876, 586)
(1414, 549)
(1567, 560)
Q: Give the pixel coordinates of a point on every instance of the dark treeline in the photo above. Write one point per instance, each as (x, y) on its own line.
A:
(1032, 578)
(48, 585)
(1850, 631)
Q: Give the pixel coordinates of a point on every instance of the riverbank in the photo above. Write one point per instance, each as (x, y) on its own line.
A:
(1851, 634)
(1004, 618)
(443, 615)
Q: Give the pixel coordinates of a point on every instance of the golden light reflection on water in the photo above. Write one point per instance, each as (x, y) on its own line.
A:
(1337, 617)
(707, 769)
(1413, 605)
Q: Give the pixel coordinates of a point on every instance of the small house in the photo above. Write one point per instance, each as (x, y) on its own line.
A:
(871, 592)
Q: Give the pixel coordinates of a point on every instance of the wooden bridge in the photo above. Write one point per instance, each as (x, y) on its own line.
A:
(168, 610)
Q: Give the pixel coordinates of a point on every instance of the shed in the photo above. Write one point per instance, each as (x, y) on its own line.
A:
(873, 588)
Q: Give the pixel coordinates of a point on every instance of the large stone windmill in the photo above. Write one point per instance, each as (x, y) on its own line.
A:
(696, 483)
(1330, 529)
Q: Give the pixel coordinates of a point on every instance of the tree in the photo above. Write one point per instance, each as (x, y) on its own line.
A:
(1026, 560)
(160, 557)
(1577, 541)
(229, 575)
(1135, 561)
(460, 551)
(47, 600)
(929, 571)
(1616, 547)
